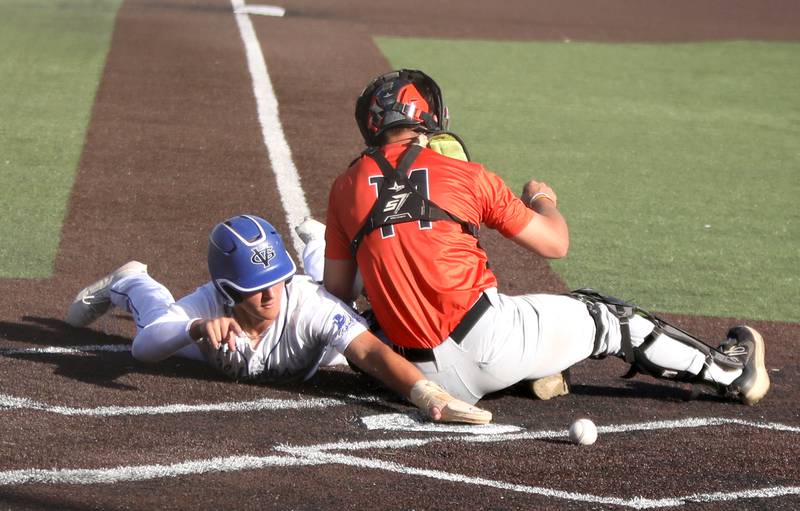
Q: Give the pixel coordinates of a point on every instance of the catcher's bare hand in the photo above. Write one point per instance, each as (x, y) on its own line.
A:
(535, 190)
(217, 331)
(441, 406)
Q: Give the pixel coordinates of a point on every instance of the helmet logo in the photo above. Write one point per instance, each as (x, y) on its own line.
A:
(263, 255)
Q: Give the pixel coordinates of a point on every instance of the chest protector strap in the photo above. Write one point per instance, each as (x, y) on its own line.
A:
(399, 201)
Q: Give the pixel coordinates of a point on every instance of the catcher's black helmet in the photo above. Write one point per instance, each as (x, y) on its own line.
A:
(400, 98)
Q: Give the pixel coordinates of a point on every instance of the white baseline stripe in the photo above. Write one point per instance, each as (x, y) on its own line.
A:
(11, 402)
(67, 350)
(697, 422)
(145, 472)
(262, 10)
(314, 455)
(777, 491)
(638, 502)
(635, 502)
(280, 155)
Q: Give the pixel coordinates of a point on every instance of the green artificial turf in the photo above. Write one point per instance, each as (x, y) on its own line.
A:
(51, 57)
(676, 165)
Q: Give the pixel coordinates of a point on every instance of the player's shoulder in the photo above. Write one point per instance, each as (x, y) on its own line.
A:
(302, 284)
(305, 288)
(346, 179)
(310, 296)
(204, 301)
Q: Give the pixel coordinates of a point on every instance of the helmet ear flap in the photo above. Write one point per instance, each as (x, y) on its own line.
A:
(234, 295)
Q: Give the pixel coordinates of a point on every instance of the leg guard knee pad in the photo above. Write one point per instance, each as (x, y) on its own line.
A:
(637, 355)
(624, 311)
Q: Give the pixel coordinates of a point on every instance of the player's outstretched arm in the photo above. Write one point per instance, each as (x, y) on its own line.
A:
(378, 360)
(547, 233)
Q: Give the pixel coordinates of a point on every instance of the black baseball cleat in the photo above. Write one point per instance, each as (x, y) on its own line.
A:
(746, 344)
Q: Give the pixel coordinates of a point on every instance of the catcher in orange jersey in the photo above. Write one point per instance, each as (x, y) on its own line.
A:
(407, 217)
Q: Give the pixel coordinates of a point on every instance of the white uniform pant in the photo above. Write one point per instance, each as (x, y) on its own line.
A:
(517, 338)
(533, 336)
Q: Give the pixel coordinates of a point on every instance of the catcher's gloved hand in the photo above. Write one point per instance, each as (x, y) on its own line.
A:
(445, 143)
(427, 395)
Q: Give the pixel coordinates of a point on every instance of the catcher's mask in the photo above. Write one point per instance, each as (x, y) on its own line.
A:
(400, 98)
(246, 254)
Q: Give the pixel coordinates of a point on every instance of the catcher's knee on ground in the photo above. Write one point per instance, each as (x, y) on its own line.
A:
(550, 386)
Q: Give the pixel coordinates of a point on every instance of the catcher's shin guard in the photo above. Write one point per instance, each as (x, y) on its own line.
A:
(637, 354)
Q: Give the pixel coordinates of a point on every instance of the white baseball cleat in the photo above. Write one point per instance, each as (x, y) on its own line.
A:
(310, 229)
(95, 299)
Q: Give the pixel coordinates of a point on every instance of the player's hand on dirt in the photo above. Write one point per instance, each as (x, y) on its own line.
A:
(441, 406)
(217, 331)
(534, 191)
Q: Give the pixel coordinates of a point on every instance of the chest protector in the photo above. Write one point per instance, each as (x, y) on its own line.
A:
(399, 201)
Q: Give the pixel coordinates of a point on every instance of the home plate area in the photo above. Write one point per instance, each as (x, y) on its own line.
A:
(464, 455)
(343, 424)
(503, 443)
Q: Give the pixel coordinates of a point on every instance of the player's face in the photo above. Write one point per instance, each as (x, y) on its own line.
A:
(262, 305)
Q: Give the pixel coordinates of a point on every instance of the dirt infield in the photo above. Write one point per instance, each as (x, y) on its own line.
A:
(175, 145)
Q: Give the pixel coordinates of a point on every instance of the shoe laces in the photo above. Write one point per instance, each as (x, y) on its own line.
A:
(93, 300)
(734, 350)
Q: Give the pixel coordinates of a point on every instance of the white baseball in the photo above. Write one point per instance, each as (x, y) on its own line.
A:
(583, 432)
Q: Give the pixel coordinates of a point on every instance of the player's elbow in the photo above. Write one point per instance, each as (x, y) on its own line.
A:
(142, 348)
(558, 241)
(560, 250)
(554, 251)
(551, 242)
(140, 353)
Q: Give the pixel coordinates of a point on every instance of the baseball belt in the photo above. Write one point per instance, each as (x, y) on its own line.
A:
(457, 335)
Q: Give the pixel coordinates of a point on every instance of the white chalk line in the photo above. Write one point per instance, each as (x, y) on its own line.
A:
(8, 402)
(320, 456)
(146, 472)
(321, 452)
(698, 422)
(287, 178)
(11, 402)
(67, 350)
(635, 502)
(261, 10)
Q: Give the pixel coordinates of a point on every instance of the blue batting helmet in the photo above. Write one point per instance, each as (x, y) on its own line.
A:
(245, 254)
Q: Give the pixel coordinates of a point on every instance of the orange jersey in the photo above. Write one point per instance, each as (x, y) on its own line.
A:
(422, 277)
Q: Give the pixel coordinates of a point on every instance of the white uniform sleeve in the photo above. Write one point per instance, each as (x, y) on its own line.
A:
(332, 321)
(169, 333)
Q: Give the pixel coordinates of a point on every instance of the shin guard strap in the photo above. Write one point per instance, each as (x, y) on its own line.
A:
(621, 309)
